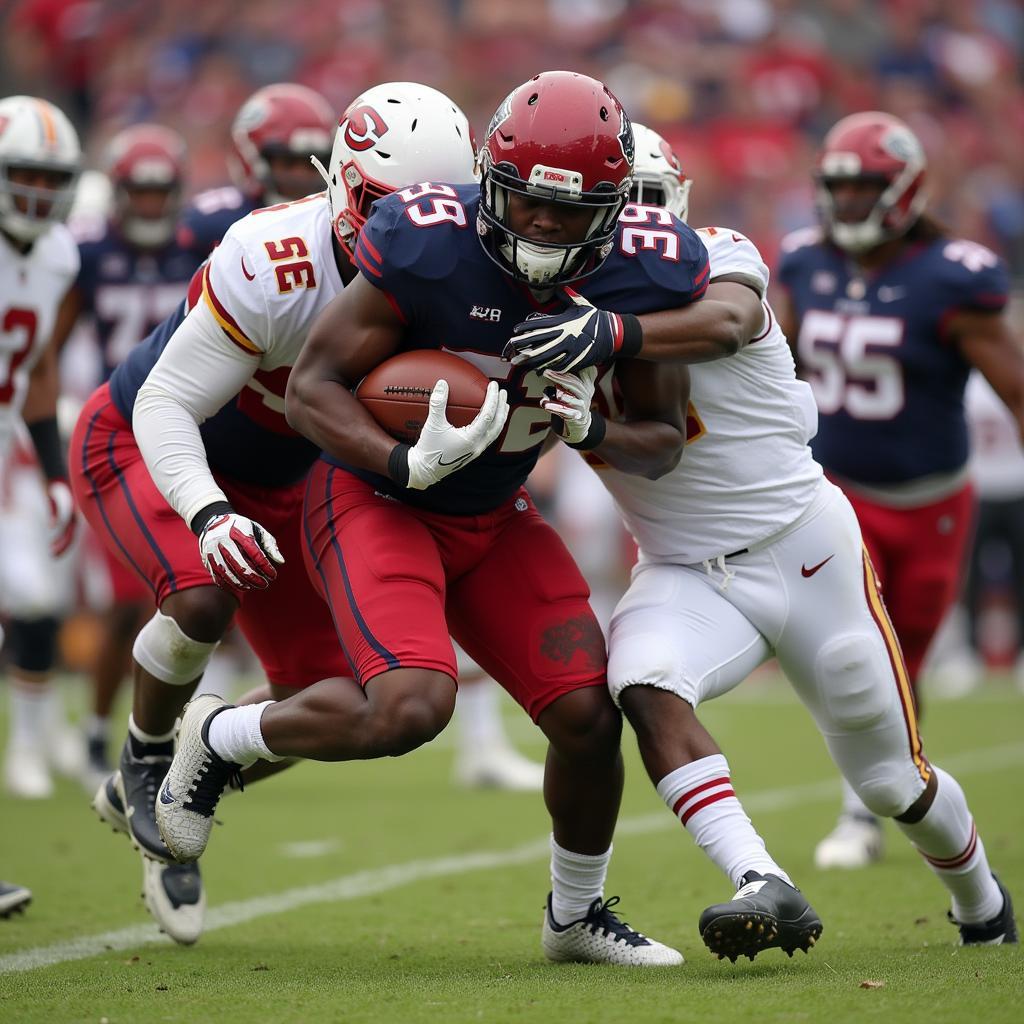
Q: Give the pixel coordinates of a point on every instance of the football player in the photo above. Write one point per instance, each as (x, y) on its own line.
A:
(188, 441)
(888, 314)
(748, 551)
(272, 137)
(133, 276)
(410, 543)
(39, 166)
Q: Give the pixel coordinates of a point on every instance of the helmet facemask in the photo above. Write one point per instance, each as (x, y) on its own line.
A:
(27, 211)
(546, 264)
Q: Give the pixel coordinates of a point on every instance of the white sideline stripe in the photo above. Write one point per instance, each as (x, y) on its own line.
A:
(366, 883)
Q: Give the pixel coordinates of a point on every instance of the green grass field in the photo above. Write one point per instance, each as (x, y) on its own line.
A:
(378, 892)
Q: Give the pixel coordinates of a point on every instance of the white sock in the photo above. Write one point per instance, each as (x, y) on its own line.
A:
(219, 675)
(149, 737)
(479, 716)
(853, 806)
(700, 795)
(949, 842)
(97, 727)
(30, 705)
(235, 735)
(577, 879)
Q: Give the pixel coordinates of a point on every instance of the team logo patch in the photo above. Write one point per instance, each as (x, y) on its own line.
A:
(488, 313)
(364, 128)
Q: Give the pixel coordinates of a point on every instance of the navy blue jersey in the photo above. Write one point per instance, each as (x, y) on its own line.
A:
(205, 221)
(888, 382)
(126, 291)
(241, 441)
(421, 247)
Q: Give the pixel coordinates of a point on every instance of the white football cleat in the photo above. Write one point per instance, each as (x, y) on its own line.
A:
(26, 773)
(498, 767)
(13, 899)
(601, 938)
(855, 842)
(173, 893)
(194, 783)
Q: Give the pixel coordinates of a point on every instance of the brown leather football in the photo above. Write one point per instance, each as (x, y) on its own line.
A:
(397, 392)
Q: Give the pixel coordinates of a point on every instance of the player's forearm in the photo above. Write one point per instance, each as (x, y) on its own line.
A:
(698, 333)
(172, 447)
(332, 418)
(645, 448)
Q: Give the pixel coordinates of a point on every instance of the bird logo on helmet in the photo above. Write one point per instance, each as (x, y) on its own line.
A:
(562, 137)
(425, 137)
(658, 178)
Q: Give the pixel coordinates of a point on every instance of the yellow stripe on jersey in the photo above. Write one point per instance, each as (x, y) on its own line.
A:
(225, 319)
(892, 644)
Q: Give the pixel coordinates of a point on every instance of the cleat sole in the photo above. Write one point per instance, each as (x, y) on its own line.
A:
(750, 933)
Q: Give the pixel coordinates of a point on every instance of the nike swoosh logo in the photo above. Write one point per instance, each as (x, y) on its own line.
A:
(808, 573)
(738, 238)
(454, 462)
(249, 277)
(165, 794)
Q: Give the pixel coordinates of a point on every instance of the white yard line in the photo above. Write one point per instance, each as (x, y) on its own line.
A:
(366, 883)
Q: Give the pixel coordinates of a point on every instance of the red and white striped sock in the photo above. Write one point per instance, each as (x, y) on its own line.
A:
(700, 795)
(949, 842)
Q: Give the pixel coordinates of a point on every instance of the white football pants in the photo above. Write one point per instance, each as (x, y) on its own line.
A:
(809, 596)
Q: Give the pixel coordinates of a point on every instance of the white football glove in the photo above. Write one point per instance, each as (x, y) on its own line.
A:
(574, 395)
(239, 553)
(442, 448)
(63, 520)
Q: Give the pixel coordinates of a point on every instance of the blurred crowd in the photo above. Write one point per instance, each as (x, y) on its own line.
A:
(744, 89)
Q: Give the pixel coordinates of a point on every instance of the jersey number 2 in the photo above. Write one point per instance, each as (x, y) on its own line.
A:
(15, 351)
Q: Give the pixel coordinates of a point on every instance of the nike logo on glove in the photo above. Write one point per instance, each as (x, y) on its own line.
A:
(808, 573)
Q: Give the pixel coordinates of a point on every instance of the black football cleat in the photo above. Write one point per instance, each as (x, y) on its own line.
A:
(1000, 931)
(142, 769)
(764, 913)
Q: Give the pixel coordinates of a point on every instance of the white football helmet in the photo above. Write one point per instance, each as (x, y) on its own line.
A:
(658, 179)
(393, 135)
(36, 135)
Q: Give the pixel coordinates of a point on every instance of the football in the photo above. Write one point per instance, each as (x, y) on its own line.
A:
(397, 392)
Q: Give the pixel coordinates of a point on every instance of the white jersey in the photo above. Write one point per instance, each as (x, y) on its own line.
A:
(32, 286)
(265, 284)
(746, 471)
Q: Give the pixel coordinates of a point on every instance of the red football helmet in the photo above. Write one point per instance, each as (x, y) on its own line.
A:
(871, 147)
(281, 120)
(147, 158)
(564, 138)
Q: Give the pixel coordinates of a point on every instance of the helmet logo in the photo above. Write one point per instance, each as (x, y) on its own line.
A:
(364, 128)
(901, 144)
(4, 119)
(670, 158)
(626, 138)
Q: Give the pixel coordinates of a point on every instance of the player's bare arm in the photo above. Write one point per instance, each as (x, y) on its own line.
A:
(726, 319)
(649, 440)
(356, 332)
(785, 316)
(986, 342)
